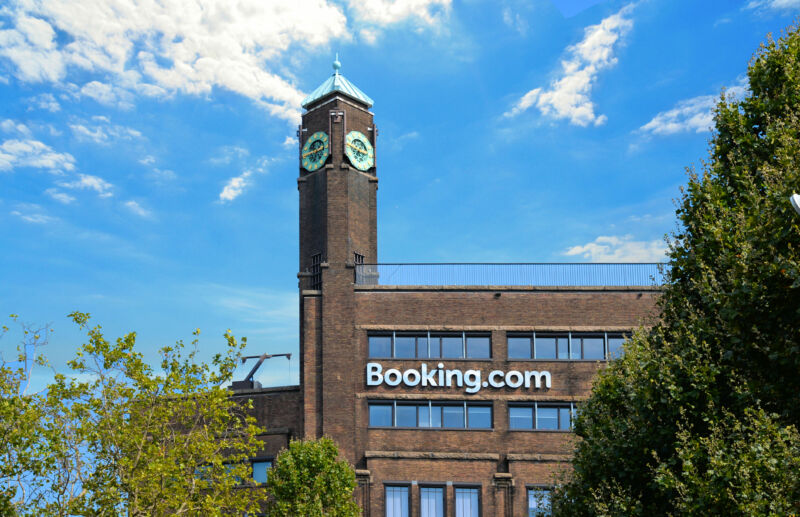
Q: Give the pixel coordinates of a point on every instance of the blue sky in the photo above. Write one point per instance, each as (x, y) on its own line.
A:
(148, 159)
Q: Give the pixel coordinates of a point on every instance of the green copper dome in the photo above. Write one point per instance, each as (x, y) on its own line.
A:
(337, 83)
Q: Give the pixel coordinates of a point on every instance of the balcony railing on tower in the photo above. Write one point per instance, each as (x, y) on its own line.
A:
(554, 274)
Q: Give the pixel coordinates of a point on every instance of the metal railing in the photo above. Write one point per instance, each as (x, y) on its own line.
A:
(556, 274)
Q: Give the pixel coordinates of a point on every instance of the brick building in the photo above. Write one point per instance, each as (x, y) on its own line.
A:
(450, 388)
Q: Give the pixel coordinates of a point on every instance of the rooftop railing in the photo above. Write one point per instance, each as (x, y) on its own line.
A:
(557, 274)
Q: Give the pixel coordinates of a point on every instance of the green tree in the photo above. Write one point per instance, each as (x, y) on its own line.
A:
(308, 479)
(700, 416)
(118, 437)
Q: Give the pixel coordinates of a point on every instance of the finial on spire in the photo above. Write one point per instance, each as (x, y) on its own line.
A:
(336, 65)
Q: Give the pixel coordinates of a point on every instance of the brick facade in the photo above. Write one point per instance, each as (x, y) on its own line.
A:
(337, 221)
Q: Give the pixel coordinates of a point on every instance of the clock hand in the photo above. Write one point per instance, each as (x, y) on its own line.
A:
(314, 151)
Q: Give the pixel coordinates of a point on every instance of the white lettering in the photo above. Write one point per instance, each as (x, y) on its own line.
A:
(427, 377)
(374, 377)
(472, 378)
(537, 379)
(495, 383)
(392, 377)
(511, 383)
(458, 376)
(407, 377)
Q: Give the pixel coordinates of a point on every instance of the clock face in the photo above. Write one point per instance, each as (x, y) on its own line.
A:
(359, 150)
(315, 151)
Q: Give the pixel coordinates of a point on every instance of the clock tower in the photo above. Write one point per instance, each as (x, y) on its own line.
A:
(337, 188)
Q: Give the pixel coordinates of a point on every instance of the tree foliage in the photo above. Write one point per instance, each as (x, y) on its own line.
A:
(700, 416)
(309, 479)
(118, 437)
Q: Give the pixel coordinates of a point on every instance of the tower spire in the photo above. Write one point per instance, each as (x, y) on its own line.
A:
(336, 65)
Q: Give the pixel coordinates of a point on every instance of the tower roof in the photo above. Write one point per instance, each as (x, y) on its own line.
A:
(337, 83)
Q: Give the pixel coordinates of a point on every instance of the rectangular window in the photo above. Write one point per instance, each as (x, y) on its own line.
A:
(316, 272)
(541, 416)
(519, 347)
(539, 502)
(615, 345)
(595, 346)
(396, 501)
(260, 469)
(431, 501)
(430, 345)
(467, 502)
(380, 415)
(453, 415)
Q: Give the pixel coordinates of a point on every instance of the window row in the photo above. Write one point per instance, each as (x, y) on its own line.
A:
(467, 501)
(565, 345)
(433, 345)
(452, 415)
(542, 416)
(468, 345)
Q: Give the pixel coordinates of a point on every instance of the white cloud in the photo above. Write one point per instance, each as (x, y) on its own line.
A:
(31, 213)
(620, 249)
(33, 153)
(230, 153)
(138, 209)
(235, 186)
(780, 5)
(290, 142)
(695, 114)
(89, 182)
(173, 46)
(45, 101)
(515, 21)
(567, 97)
(11, 126)
(61, 197)
(387, 12)
(148, 160)
(102, 131)
(107, 94)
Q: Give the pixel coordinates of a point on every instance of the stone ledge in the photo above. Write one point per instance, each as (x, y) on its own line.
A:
(547, 458)
(508, 288)
(275, 430)
(413, 455)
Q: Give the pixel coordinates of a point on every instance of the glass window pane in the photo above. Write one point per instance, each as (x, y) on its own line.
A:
(431, 501)
(436, 346)
(422, 346)
(380, 346)
(547, 418)
(467, 502)
(424, 416)
(478, 347)
(405, 347)
(406, 416)
(592, 347)
(453, 416)
(479, 417)
(519, 348)
(563, 347)
(436, 416)
(545, 347)
(260, 469)
(452, 346)
(520, 417)
(396, 501)
(615, 346)
(380, 415)
(564, 420)
(538, 502)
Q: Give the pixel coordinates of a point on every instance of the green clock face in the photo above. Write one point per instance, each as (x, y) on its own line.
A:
(315, 151)
(359, 150)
